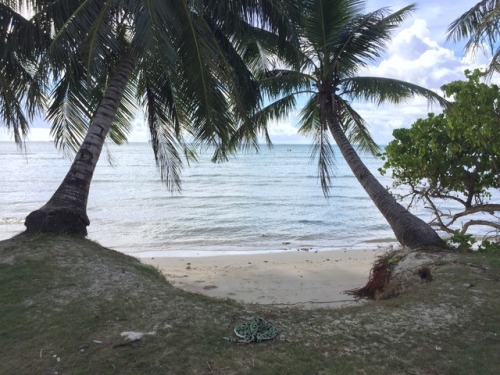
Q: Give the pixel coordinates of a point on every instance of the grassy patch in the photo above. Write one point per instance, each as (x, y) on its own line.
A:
(65, 302)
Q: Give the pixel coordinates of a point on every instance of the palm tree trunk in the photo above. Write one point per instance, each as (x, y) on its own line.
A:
(66, 210)
(410, 230)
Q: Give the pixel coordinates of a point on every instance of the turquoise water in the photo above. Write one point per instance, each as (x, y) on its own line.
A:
(266, 201)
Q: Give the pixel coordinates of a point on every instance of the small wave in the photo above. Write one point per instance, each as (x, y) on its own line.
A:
(311, 222)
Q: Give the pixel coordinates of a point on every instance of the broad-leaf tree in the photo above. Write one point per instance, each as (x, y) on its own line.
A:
(180, 61)
(481, 26)
(453, 157)
(337, 41)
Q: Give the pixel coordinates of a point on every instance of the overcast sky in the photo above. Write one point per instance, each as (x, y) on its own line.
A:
(418, 53)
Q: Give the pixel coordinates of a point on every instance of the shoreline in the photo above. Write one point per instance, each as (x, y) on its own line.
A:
(303, 279)
(285, 248)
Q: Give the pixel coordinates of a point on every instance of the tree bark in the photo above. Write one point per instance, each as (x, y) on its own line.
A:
(66, 210)
(410, 230)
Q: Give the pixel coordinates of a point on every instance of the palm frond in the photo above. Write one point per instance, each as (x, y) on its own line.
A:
(278, 17)
(312, 124)
(379, 90)
(155, 22)
(356, 129)
(102, 41)
(21, 96)
(495, 64)
(483, 19)
(169, 151)
(244, 92)
(247, 133)
(323, 21)
(364, 39)
(309, 116)
(323, 150)
(70, 113)
(122, 123)
(164, 117)
(12, 112)
(481, 26)
(284, 82)
(203, 89)
(262, 51)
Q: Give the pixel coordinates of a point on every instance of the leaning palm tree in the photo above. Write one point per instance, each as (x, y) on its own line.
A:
(481, 26)
(337, 40)
(176, 59)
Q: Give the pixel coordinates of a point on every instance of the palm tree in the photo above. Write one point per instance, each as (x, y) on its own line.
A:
(337, 40)
(481, 25)
(179, 60)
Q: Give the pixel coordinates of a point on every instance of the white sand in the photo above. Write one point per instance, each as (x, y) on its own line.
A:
(294, 278)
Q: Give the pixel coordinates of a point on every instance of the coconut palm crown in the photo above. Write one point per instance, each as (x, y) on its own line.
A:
(337, 41)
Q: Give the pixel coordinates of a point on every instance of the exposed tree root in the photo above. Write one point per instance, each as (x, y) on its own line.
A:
(380, 276)
(398, 272)
(59, 220)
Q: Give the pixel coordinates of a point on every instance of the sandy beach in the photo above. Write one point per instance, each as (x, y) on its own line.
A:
(293, 278)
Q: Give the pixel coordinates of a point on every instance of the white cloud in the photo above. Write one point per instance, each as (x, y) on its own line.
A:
(414, 56)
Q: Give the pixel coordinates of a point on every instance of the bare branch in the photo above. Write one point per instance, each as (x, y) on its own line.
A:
(491, 208)
(480, 222)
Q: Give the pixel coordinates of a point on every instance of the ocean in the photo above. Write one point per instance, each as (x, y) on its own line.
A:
(256, 202)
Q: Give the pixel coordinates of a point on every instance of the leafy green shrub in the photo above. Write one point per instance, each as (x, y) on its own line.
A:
(489, 246)
(467, 242)
(461, 241)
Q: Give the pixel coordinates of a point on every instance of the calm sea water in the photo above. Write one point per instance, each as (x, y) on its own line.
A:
(266, 201)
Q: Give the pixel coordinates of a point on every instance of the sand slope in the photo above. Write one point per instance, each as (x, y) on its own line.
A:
(293, 278)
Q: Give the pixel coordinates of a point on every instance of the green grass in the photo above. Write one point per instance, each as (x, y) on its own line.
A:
(65, 301)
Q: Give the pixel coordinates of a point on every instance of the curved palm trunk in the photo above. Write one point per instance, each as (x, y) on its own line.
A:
(66, 210)
(410, 230)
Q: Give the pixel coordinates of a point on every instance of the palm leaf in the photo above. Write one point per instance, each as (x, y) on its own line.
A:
(480, 25)
(364, 38)
(21, 96)
(309, 117)
(356, 128)
(202, 90)
(70, 113)
(313, 125)
(284, 81)
(323, 150)
(323, 20)
(379, 90)
(11, 110)
(481, 20)
(165, 117)
(122, 123)
(246, 135)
